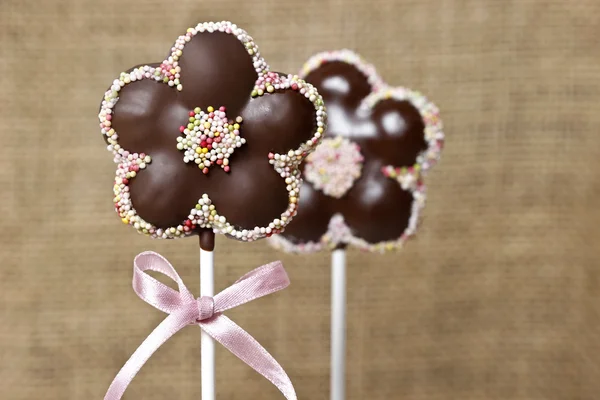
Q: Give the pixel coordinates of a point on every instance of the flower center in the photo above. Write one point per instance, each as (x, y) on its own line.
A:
(210, 138)
(334, 166)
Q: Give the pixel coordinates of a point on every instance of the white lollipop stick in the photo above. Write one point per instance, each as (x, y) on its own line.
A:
(207, 288)
(338, 324)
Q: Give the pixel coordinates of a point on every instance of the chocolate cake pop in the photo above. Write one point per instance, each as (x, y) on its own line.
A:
(363, 186)
(210, 139)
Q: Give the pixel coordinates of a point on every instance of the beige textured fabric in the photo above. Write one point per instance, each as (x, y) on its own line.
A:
(498, 297)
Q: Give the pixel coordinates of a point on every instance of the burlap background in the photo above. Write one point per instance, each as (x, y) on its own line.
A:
(498, 298)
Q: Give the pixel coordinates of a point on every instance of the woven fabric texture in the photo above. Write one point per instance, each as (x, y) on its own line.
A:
(498, 297)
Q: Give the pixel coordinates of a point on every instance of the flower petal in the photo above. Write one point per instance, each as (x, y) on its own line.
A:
(312, 220)
(341, 83)
(252, 194)
(163, 193)
(376, 208)
(279, 122)
(400, 133)
(146, 110)
(216, 70)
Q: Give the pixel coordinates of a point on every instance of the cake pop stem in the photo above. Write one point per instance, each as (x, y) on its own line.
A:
(338, 324)
(207, 288)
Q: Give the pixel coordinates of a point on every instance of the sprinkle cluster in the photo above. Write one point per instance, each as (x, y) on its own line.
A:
(204, 214)
(334, 166)
(210, 138)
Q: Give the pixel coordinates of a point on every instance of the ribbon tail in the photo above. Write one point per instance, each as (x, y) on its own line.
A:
(247, 349)
(163, 332)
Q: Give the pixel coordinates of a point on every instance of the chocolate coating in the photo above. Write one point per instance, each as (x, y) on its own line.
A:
(216, 70)
(376, 208)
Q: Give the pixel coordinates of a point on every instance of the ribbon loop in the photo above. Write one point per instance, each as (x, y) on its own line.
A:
(184, 309)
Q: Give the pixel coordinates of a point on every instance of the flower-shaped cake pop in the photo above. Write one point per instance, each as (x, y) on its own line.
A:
(363, 186)
(210, 138)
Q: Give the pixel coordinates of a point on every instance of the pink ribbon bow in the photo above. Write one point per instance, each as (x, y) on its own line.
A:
(184, 310)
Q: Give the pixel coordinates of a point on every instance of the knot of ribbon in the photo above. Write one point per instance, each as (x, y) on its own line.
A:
(206, 308)
(207, 312)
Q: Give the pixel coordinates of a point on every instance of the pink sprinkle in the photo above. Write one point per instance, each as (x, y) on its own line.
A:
(226, 168)
(222, 109)
(181, 129)
(109, 117)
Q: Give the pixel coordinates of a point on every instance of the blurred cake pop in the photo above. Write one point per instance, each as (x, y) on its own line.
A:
(363, 186)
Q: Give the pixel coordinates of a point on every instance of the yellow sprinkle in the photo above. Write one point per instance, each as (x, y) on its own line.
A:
(217, 134)
(207, 125)
(236, 126)
(204, 150)
(125, 220)
(210, 109)
(172, 71)
(198, 150)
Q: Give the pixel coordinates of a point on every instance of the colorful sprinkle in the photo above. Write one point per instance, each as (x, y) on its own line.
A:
(211, 140)
(334, 166)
